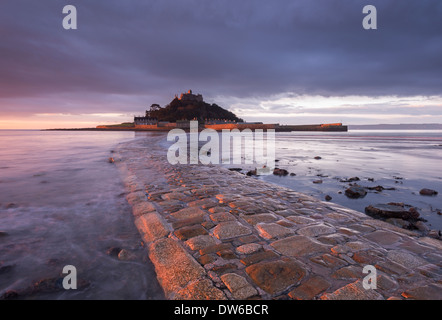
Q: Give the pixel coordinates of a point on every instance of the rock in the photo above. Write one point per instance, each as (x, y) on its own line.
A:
(151, 226)
(11, 205)
(392, 211)
(238, 286)
(428, 292)
(317, 181)
(383, 238)
(316, 230)
(188, 232)
(427, 192)
(251, 173)
(406, 259)
(328, 198)
(259, 256)
(350, 179)
(200, 242)
(355, 192)
(249, 248)
(258, 218)
(297, 246)
(113, 251)
(272, 230)
(317, 158)
(309, 289)
(3, 234)
(188, 213)
(230, 229)
(175, 267)
(353, 291)
(276, 276)
(125, 255)
(379, 188)
(202, 289)
(399, 223)
(419, 225)
(280, 172)
(437, 234)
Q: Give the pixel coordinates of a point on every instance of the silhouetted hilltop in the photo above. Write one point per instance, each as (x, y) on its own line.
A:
(189, 107)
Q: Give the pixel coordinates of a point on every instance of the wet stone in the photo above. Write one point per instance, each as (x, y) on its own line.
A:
(226, 268)
(248, 239)
(310, 288)
(202, 289)
(349, 272)
(258, 218)
(229, 230)
(188, 232)
(383, 237)
(214, 248)
(332, 239)
(249, 248)
(276, 276)
(328, 261)
(428, 292)
(205, 259)
(353, 291)
(406, 259)
(152, 226)
(298, 246)
(200, 242)
(238, 286)
(272, 230)
(226, 254)
(350, 247)
(301, 220)
(188, 213)
(368, 257)
(259, 256)
(221, 217)
(175, 268)
(316, 230)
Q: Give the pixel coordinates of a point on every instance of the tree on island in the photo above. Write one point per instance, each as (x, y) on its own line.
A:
(188, 110)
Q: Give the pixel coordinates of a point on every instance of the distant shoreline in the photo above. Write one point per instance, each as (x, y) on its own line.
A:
(427, 126)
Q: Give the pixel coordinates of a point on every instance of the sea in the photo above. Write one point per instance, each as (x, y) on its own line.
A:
(63, 203)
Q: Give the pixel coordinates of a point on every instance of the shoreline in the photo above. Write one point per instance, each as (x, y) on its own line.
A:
(213, 233)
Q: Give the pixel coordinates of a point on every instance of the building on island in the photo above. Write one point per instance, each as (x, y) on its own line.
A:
(190, 97)
(188, 106)
(145, 121)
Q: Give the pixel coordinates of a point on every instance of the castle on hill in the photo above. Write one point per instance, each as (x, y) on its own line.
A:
(190, 97)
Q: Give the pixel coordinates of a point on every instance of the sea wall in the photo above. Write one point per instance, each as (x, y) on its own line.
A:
(212, 233)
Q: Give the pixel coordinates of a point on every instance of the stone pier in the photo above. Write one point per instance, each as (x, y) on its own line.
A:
(212, 233)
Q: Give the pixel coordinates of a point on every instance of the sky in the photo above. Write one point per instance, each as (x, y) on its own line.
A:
(281, 61)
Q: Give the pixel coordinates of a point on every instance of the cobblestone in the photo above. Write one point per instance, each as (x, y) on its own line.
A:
(217, 234)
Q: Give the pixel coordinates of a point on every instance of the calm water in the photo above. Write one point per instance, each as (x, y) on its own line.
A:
(62, 203)
(405, 160)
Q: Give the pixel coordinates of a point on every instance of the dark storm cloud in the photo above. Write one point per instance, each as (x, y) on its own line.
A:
(233, 48)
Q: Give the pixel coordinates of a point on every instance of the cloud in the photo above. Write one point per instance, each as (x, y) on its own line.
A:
(128, 54)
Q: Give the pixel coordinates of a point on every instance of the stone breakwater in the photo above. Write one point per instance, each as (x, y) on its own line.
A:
(212, 233)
